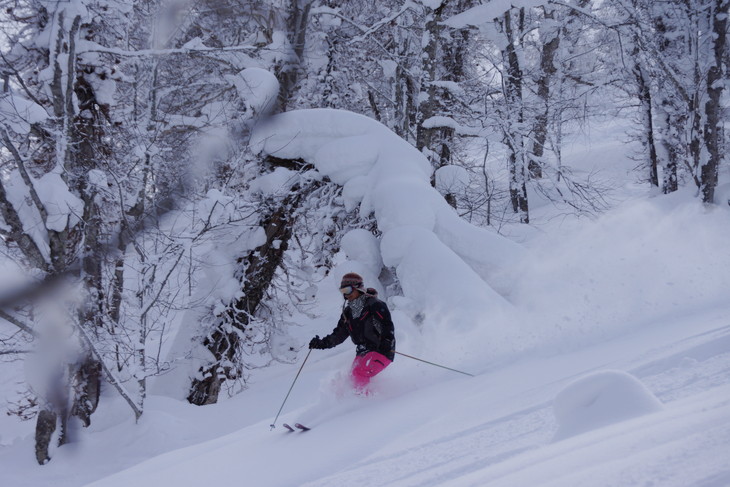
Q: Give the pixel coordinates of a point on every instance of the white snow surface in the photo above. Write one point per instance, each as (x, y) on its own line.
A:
(426, 426)
(601, 398)
(600, 350)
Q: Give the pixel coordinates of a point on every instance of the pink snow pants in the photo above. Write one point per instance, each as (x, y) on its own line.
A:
(366, 367)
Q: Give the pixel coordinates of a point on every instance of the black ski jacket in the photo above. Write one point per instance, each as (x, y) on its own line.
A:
(372, 331)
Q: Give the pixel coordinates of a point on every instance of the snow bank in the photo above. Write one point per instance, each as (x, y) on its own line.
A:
(458, 300)
(440, 260)
(600, 399)
(722, 194)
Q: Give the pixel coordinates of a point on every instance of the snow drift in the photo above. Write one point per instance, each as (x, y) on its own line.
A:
(600, 399)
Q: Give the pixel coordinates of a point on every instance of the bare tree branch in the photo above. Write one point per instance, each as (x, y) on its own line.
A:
(14, 352)
(11, 319)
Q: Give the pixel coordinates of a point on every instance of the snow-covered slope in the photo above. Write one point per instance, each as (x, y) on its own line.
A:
(494, 429)
(427, 426)
(609, 365)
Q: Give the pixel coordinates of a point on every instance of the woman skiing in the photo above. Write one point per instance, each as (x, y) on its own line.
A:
(366, 320)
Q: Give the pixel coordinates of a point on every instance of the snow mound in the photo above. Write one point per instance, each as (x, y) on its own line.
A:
(601, 399)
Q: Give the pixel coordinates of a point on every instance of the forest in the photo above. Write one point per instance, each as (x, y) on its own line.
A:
(168, 204)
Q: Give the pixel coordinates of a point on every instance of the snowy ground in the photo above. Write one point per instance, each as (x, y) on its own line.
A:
(639, 293)
(494, 429)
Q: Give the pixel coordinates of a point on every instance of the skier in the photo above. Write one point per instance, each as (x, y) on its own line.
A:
(366, 320)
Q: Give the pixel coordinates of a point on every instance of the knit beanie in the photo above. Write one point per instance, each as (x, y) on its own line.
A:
(354, 280)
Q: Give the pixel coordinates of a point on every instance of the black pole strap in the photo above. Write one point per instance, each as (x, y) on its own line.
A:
(273, 425)
(437, 365)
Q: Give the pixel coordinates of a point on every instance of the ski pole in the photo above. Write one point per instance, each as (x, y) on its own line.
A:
(273, 425)
(437, 365)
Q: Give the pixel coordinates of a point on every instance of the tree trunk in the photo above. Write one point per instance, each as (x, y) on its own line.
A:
(87, 389)
(405, 103)
(297, 28)
(647, 119)
(674, 125)
(713, 119)
(547, 70)
(79, 146)
(443, 60)
(513, 135)
(46, 425)
(427, 106)
(260, 266)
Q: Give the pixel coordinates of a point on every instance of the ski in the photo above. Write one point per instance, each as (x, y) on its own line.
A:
(302, 427)
(289, 428)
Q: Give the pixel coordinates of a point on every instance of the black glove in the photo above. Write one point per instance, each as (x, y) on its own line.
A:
(317, 342)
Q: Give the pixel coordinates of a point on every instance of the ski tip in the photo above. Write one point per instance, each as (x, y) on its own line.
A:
(302, 427)
(289, 428)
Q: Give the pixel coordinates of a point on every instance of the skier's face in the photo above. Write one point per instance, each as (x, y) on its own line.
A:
(349, 292)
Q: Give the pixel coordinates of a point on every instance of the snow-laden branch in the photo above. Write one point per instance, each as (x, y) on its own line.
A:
(443, 263)
(440, 121)
(20, 164)
(366, 33)
(378, 25)
(191, 47)
(162, 285)
(486, 13)
(27, 245)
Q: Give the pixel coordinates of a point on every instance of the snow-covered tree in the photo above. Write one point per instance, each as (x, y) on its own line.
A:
(128, 174)
(101, 135)
(679, 51)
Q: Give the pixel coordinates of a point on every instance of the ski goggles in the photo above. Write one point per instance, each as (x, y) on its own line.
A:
(347, 290)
